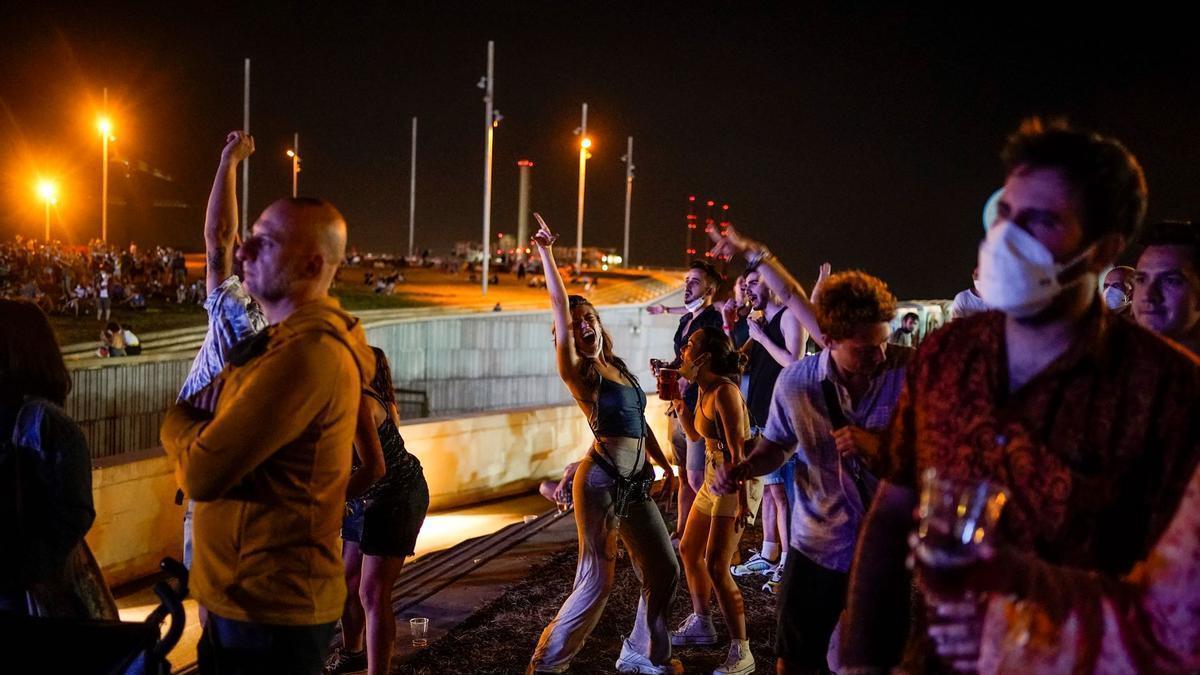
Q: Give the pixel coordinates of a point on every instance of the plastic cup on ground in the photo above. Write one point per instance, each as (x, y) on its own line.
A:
(420, 631)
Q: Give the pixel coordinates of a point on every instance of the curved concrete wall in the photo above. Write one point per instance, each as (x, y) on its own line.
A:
(467, 459)
(502, 419)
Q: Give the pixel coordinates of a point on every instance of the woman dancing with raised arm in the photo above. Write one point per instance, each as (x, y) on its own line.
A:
(609, 492)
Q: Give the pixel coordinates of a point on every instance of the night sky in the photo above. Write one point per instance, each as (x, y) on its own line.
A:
(866, 137)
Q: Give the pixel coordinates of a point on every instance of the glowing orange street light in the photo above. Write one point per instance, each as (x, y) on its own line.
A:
(104, 126)
(586, 143)
(47, 190)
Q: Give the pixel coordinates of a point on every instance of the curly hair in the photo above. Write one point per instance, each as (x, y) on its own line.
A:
(1108, 178)
(850, 300)
(724, 359)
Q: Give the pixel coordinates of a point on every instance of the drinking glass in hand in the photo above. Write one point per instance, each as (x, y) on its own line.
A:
(956, 527)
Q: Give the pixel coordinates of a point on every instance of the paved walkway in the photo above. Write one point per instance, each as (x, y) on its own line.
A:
(441, 532)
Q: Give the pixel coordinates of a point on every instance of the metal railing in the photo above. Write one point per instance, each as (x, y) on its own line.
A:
(412, 403)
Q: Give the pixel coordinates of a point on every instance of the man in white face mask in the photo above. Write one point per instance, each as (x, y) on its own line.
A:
(1050, 396)
(1117, 290)
(700, 286)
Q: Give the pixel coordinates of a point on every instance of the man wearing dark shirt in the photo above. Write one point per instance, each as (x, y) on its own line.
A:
(777, 340)
(1089, 421)
(700, 285)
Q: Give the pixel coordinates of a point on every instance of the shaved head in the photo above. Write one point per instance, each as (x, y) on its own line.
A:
(294, 251)
(315, 224)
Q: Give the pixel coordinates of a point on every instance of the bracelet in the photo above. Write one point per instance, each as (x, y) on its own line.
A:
(755, 257)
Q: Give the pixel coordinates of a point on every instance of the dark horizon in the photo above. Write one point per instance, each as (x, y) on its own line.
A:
(866, 137)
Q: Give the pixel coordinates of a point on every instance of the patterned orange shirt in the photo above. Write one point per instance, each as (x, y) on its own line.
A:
(1096, 450)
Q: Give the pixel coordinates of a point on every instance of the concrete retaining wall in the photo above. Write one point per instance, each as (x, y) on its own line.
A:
(467, 459)
(467, 363)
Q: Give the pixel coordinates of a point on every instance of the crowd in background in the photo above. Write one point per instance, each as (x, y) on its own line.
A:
(80, 280)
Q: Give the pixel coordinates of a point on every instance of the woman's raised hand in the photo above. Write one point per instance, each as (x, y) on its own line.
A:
(543, 238)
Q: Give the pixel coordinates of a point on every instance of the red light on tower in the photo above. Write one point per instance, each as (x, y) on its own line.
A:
(524, 162)
(711, 202)
(691, 198)
(725, 207)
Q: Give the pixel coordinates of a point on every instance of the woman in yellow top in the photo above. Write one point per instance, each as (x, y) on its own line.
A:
(716, 522)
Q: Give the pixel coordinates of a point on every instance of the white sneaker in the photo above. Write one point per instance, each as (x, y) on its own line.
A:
(633, 662)
(772, 584)
(695, 630)
(739, 661)
(756, 564)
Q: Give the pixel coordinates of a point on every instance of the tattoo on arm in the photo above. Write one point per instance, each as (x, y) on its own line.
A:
(216, 259)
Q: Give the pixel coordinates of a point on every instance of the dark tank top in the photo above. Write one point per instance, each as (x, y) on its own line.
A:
(403, 468)
(763, 372)
(620, 410)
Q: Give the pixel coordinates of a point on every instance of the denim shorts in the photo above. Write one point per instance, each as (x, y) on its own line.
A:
(387, 527)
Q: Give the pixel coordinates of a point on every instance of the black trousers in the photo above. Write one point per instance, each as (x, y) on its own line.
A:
(230, 647)
(811, 599)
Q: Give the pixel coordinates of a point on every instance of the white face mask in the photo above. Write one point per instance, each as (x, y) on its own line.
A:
(695, 304)
(1017, 274)
(1115, 298)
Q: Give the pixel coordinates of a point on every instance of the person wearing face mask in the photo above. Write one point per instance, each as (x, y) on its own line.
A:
(1086, 420)
(1166, 296)
(1117, 289)
(699, 288)
(608, 491)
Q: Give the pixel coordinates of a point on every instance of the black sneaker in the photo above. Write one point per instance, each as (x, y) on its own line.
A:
(343, 661)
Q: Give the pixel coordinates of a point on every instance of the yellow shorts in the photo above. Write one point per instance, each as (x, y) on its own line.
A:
(711, 504)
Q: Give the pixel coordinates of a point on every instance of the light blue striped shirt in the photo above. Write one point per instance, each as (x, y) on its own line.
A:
(232, 317)
(827, 509)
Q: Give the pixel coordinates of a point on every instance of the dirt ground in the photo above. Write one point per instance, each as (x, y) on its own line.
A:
(501, 637)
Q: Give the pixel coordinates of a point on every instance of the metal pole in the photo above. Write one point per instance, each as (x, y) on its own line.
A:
(295, 162)
(582, 172)
(628, 197)
(246, 162)
(103, 180)
(489, 133)
(412, 189)
(523, 208)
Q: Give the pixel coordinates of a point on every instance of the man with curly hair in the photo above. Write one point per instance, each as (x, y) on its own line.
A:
(1087, 420)
(828, 409)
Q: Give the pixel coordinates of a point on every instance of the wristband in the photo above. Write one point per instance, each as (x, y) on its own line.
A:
(755, 257)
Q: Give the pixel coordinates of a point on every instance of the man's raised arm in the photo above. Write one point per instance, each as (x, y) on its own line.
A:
(221, 216)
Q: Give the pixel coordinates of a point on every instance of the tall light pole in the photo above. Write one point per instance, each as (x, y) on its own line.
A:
(524, 166)
(412, 189)
(48, 192)
(491, 120)
(104, 125)
(294, 153)
(584, 144)
(628, 158)
(246, 161)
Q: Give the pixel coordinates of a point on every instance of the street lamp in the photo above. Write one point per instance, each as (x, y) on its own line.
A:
(584, 144)
(294, 153)
(104, 126)
(48, 192)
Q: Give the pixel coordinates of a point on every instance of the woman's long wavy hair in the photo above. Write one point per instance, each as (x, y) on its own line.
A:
(382, 382)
